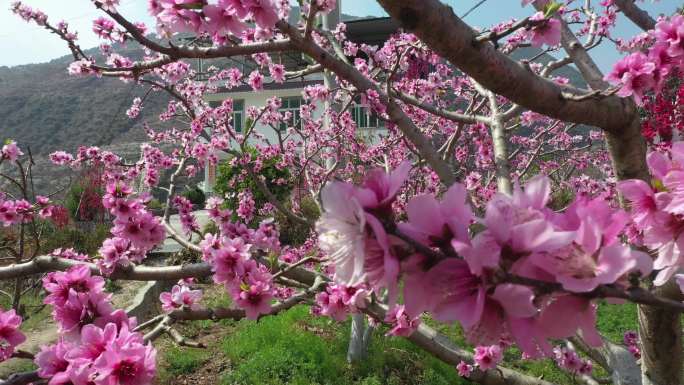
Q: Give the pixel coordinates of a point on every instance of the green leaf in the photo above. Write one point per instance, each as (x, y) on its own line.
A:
(551, 8)
(249, 122)
(197, 5)
(658, 185)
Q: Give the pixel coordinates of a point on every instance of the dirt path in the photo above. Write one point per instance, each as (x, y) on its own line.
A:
(45, 332)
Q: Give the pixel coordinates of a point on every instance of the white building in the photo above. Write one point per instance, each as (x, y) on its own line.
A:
(369, 31)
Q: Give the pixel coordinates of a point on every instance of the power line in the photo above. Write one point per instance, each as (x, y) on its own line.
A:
(474, 7)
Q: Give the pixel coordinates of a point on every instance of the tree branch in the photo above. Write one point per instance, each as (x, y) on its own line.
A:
(363, 84)
(431, 20)
(47, 263)
(441, 347)
(637, 15)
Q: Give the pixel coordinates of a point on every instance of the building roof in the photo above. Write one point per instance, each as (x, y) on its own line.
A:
(371, 31)
(374, 31)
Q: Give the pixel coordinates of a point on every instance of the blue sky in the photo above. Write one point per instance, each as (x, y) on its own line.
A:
(23, 43)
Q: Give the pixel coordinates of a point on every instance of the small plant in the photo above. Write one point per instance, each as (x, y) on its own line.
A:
(112, 286)
(195, 196)
(232, 179)
(184, 360)
(154, 204)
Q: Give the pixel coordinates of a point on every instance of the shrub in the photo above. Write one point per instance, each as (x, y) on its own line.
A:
(232, 180)
(84, 198)
(87, 242)
(154, 204)
(292, 232)
(195, 195)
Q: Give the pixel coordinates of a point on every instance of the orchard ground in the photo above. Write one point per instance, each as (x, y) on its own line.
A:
(40, 328)
(299, 349)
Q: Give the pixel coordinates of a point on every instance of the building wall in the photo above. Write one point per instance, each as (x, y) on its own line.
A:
(259, 99)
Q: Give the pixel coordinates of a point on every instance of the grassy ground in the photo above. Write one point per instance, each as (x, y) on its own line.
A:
(40, 329)
(35, 317)
(295, 348)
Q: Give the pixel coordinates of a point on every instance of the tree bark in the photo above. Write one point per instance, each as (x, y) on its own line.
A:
(637, 15)
(660, 332)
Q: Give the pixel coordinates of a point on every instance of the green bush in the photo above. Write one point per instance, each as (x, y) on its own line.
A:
(87, 242)
(154, 204)
(195, 195)
(228, 175)
(292, 232)
(83, 201)
(73, 198)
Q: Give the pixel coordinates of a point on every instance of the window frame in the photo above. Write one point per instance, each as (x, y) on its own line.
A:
(296, 119)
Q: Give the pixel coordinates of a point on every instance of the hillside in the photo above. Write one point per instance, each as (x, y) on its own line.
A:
(44, 108)
(41, 105)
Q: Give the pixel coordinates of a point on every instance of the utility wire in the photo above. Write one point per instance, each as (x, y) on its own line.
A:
(474, 7)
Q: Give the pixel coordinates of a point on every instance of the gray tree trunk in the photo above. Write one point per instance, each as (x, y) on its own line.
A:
(359, 338)
(626, 370)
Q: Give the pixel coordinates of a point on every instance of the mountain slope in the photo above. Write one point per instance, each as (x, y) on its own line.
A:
(42, 106)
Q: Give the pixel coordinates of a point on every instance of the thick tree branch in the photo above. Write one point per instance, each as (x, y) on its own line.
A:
(431, 20)
(21, 378)
(637, 15)
(46, 263)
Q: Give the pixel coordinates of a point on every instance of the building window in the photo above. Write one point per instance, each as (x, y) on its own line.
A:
(291, 104)
(365, 118)
(238, 112)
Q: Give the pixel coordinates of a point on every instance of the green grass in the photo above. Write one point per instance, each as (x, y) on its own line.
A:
(296, 348)
(614, 320)
(184, 360)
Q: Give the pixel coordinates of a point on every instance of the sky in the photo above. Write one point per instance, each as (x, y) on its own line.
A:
(23, 43)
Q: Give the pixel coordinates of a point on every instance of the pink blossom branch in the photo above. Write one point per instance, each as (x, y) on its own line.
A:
(185, 314)
(363, 84)
(453, 116)
(199, 52)
(633, 294)
(494, 36)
